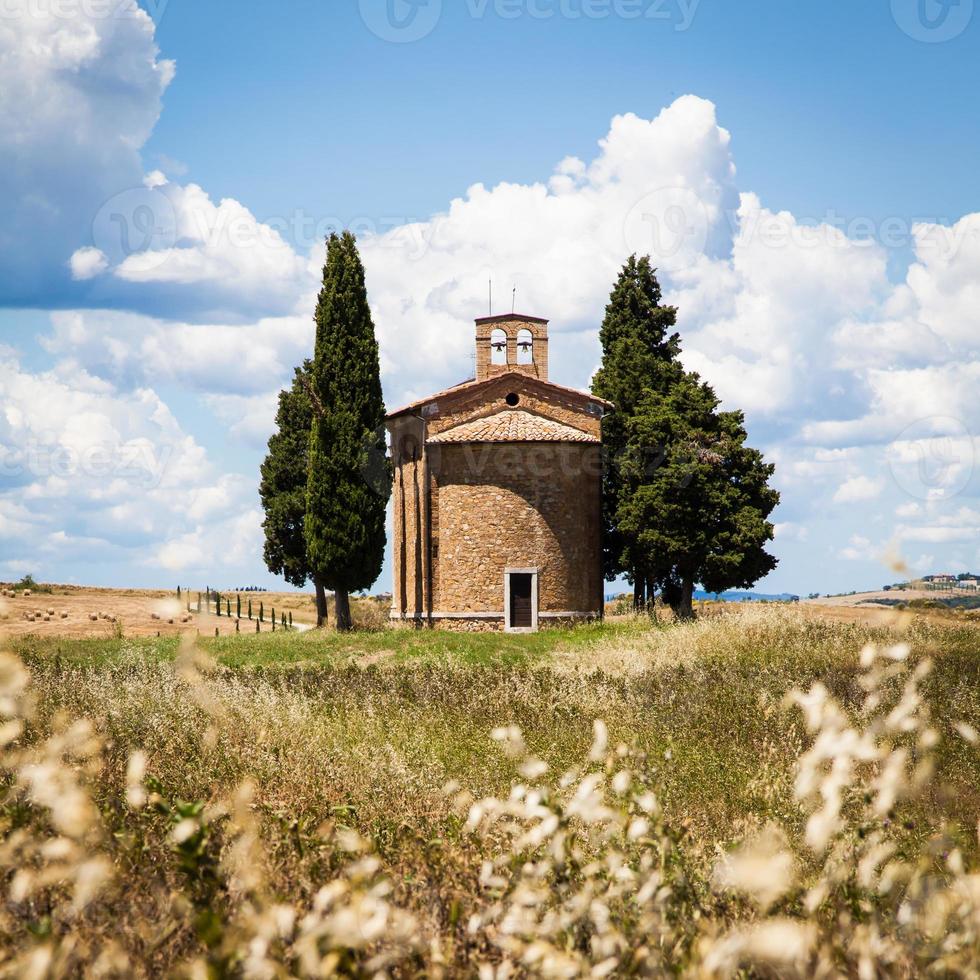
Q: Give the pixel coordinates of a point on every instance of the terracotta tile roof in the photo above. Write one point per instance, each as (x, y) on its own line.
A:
(512, 425)
(504, 317)
(473, 383)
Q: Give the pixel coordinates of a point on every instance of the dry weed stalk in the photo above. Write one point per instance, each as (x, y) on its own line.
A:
(584, 874)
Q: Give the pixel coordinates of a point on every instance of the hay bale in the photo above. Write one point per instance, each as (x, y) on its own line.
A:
(154, 615)
(27, 593)
(64, 614)
(94, 617)
(51, 611)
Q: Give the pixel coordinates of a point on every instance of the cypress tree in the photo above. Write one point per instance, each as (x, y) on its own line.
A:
(702, 514)
(684, 499)
(238, 606)
(228, 608)
(285, 476)
(249, 608)
(217, 604)
(345, 507)
(639, 354)
(261, 612)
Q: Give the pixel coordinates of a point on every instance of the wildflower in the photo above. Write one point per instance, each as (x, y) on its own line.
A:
(135, 771)
(600, 742)
(761, 868)
(966, 731)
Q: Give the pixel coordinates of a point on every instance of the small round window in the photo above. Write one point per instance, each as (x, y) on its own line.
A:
(513, 399)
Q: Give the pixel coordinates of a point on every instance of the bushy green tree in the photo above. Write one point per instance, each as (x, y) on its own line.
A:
(685, 500)
(700, 498)
(639, 354)
(283, 488)
(347, 489)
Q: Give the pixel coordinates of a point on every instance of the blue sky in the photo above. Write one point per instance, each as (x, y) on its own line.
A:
(513, 138)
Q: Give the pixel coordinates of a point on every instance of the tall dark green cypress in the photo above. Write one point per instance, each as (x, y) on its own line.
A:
(347, 490)
(639, 355)
(285, 476)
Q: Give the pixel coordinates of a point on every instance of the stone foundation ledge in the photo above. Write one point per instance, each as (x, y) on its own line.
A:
(474, 622)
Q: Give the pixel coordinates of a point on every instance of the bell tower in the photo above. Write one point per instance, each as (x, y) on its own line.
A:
(511, 342)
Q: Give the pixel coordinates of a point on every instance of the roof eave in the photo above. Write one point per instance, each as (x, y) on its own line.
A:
(413, 407)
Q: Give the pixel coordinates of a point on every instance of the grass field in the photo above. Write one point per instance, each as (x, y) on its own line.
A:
(388, 734)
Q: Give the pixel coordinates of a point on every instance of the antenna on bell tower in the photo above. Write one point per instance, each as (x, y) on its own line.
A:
(513, 300)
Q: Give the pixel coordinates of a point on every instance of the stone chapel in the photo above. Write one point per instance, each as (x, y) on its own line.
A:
(497, 493)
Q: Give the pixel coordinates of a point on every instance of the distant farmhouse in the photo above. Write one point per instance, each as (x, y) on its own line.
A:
(497, 493)
(966, 582)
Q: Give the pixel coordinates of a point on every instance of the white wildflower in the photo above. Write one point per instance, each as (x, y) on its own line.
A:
(966, 731)
(638, 828)
(184, 830)
(761, 868)
(600, 741)
(533, 768)
(135, 771)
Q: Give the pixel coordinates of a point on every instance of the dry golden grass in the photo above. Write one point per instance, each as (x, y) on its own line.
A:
(152, 612)
(351, 814)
